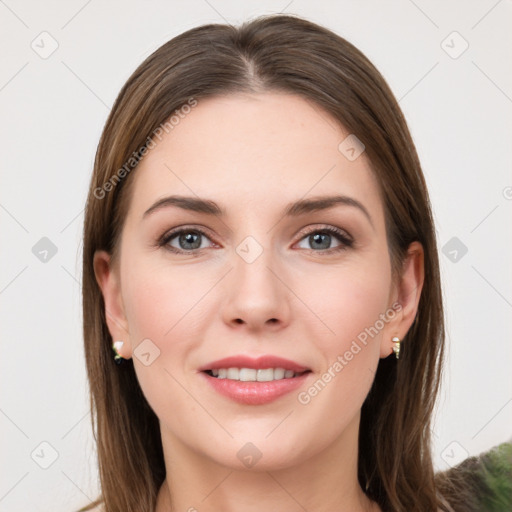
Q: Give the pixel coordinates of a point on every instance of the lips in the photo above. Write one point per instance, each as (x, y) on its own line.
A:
(259, 363)
(254, 393)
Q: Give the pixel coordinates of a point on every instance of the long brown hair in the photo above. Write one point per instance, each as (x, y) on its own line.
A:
(269, 53)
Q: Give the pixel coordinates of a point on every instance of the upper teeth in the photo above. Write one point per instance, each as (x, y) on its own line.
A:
(252, 375)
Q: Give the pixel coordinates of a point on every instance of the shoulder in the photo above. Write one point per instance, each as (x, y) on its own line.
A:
(484, 481)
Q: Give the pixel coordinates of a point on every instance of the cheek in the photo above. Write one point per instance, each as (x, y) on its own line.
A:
(349, 301)
(166, 310)
(356, 305)
(157, 303)
(159, 300)
(350, 353)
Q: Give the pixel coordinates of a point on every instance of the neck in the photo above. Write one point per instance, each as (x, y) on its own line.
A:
(325, 482)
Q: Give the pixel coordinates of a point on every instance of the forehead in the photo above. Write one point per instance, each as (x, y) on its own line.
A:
(255, 149)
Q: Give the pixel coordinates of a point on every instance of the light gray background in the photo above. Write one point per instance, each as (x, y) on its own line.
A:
(53, 110)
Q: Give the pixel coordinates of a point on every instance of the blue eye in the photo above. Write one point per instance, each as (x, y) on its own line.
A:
(188, 240)
(322, 239)
(193, 240)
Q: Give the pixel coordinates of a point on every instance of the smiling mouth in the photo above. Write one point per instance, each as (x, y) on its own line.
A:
(253, 375)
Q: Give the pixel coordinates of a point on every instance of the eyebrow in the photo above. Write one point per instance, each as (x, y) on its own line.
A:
(300, 207)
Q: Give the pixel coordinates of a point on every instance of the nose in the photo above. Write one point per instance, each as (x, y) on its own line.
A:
(256, 298)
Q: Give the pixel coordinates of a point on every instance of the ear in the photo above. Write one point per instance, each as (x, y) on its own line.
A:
(405, 297)
(108, 280)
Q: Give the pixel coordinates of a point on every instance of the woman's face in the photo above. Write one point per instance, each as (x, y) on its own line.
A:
(257, 280)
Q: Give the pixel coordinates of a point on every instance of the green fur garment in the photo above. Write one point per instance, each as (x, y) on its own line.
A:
(480, 484)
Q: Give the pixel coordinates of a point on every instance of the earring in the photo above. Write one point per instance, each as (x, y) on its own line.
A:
(116, 346)
(396, 345)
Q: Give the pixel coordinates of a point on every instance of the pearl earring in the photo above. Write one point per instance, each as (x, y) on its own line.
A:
(116, 347)
(396, 345)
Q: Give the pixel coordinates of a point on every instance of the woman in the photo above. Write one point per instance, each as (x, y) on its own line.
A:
(259, 249)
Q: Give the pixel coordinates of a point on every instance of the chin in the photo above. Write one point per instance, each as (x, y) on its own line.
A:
(257, 454)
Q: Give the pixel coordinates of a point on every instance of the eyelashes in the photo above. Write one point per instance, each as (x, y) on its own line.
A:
(330, 231)
(188, 236)
(193, 237)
